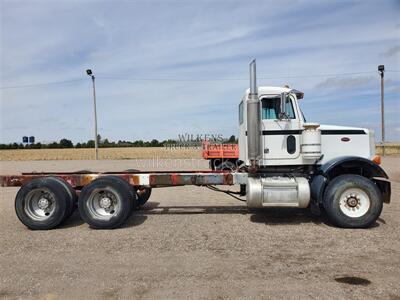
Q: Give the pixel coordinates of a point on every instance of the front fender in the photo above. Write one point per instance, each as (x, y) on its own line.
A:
(349, 165)
(358, 165)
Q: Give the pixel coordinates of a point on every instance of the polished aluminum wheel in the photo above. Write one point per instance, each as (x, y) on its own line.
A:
(103, 203)
(39, 204)
(354, 202)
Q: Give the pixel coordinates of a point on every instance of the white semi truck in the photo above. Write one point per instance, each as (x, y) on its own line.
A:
(284, 162)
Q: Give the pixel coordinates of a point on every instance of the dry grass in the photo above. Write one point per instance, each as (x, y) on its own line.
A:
(104, 153)
(390, 149)
(127, 153)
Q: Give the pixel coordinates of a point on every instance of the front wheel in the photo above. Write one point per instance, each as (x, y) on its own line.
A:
(352, 201)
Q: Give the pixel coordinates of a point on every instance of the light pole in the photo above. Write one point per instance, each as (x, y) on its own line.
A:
(381, 69)
(96, 146)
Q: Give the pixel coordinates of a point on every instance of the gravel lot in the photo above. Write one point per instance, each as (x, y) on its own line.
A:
(190, 242)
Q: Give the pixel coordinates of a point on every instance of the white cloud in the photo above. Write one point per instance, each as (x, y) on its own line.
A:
(345, 83)
(392, 51)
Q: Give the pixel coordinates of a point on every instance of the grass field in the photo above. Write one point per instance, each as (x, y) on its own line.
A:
(126, 153)
(390, 149)
(104, 153)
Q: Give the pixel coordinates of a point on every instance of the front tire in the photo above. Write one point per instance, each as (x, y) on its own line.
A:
(352, 201)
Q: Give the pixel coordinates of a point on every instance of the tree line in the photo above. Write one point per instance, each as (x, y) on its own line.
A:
(103, 143)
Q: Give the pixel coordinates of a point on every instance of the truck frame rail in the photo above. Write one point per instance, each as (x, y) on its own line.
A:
(152, 179)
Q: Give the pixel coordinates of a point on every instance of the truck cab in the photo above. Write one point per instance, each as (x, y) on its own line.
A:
(282, 132)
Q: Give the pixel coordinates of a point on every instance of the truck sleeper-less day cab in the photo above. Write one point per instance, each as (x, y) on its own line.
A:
(285, 162)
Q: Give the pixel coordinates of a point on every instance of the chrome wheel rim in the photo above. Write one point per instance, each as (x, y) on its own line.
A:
(103, 204)
(354, 202)
(40, 204)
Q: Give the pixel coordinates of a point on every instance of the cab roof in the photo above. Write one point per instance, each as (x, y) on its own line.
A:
(276, 90)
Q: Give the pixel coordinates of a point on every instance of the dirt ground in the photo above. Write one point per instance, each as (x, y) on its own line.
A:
(190, 242)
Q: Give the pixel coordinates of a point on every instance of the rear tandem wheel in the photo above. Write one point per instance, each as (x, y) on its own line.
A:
(106, 202)
(72, 199)
(143, 194)
(43, 203)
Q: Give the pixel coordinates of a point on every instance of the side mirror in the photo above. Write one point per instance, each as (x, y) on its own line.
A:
(283, 114)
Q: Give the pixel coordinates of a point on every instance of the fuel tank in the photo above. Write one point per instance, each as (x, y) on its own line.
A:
(277, 191)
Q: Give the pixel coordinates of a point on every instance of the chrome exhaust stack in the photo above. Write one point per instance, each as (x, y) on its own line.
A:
(253, 121)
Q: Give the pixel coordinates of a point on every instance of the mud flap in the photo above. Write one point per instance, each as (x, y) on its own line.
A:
(384, 185)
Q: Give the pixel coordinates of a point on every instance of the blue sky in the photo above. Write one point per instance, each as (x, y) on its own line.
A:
(194, 44)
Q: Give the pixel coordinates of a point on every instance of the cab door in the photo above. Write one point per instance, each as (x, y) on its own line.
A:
(280, 134)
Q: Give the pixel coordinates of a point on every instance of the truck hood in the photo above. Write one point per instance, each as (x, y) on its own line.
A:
(333, 127)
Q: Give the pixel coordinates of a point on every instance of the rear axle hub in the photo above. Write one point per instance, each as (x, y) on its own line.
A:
(105, 202)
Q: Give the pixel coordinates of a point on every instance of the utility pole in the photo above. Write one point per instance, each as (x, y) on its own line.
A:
(96, 146)
(381, 69)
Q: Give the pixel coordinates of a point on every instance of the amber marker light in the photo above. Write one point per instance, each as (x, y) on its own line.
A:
(377, 159)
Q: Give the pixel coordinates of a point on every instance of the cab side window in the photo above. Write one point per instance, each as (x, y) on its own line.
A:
(241, 112)
(271, 108)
